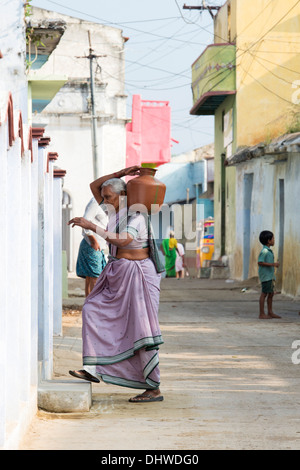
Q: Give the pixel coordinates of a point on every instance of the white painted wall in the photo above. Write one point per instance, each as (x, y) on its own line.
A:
(13, 48)
(265, 207)
(27, 239)
(57, 255)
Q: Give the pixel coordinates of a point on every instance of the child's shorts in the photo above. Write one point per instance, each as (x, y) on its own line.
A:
(268, 287)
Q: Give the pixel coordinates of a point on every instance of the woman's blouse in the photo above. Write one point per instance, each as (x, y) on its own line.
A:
(137, 227)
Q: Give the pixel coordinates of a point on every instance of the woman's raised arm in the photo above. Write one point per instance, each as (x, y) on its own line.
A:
(97, 184)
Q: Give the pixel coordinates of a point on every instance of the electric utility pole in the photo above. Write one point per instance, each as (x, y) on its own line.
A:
(91, 58)
(202, 8)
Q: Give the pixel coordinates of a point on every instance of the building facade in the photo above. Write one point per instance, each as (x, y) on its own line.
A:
(268, 185)
(68, 117)
(148, 134)
(247, 79)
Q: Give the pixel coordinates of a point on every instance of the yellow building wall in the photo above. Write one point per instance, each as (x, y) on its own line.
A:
(221, 26)
(225, 28)
(267, 36)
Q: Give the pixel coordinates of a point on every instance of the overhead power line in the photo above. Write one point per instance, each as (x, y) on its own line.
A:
(202, 8)
(115, 24)
(265, 87)
(91, 58)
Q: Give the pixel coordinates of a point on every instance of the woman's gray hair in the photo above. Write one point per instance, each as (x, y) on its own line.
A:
(117, 185)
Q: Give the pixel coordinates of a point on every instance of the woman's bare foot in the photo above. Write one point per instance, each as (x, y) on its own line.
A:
(147, 396)
(263, 316)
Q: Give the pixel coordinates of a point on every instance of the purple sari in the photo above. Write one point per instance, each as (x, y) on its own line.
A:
(121, 333)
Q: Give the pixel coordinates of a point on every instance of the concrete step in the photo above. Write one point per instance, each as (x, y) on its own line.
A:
(65, 396)
(219, 272)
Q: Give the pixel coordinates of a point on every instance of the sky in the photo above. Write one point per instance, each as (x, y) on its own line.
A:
(164, 41)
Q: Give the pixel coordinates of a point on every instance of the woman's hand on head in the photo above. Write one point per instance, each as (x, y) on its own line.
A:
(132, 170)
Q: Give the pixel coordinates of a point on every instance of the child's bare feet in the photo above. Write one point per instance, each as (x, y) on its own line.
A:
(273, 315)
(263, 316)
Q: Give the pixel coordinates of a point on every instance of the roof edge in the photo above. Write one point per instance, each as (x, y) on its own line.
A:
(287, 143)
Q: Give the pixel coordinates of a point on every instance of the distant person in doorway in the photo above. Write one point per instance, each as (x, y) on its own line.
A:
(169, 250)
(180, 262)
(266, 273)
(91, 259)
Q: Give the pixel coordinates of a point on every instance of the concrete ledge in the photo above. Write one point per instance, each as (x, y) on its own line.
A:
(65, 396)
(205, 273)
(219, 272)
(74, 303)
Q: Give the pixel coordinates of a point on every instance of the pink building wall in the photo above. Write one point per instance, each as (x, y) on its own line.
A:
(148, 135)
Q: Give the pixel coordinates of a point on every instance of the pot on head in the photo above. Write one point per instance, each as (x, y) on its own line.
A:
(145, 193)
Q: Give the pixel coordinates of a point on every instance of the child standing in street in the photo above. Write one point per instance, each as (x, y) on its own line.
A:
(266, 273)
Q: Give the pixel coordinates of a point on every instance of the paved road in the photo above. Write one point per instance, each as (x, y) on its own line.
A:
(228, 379)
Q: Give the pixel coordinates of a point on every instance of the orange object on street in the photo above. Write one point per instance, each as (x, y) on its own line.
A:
(207, 242)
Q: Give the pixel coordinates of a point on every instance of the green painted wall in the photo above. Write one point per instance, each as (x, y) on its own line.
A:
(224, 184)
(214, 70)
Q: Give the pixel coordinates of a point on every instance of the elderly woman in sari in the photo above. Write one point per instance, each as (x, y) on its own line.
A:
(120, 328)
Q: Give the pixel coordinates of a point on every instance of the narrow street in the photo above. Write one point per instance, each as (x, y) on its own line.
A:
(227, 378)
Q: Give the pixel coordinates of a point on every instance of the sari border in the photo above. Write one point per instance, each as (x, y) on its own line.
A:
(149, 343)
(148, 384)
(150, 366)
